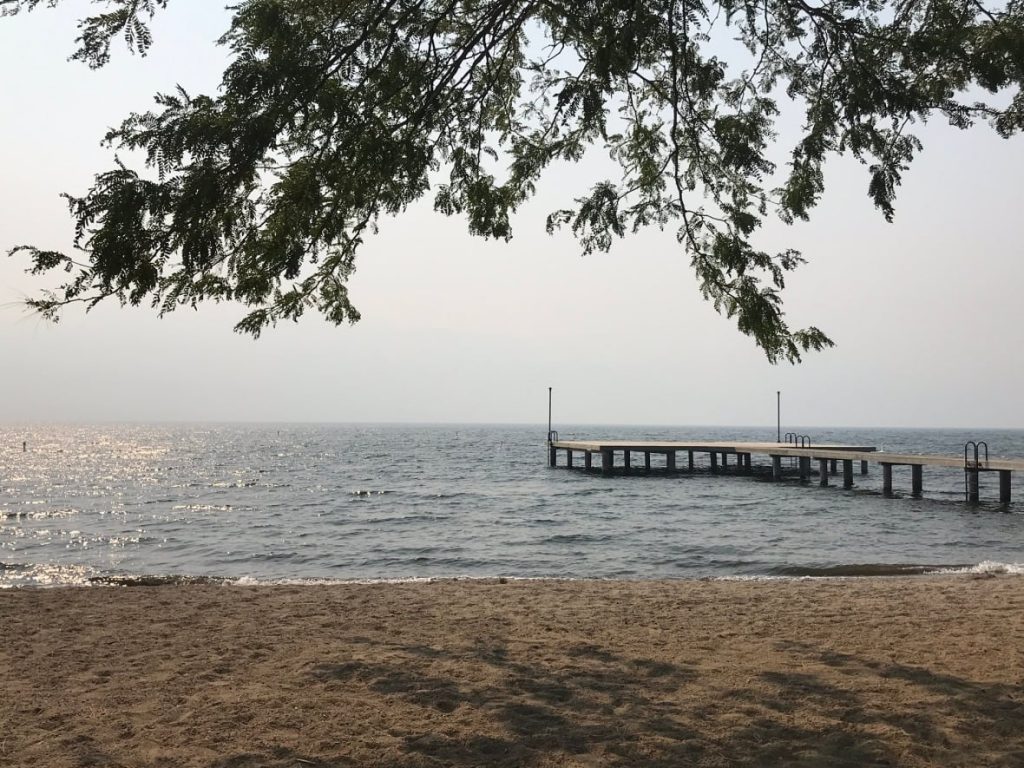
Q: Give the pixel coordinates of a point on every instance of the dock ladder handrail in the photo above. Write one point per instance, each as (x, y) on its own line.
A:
(552, 435)
(977, 446)
(797, 441)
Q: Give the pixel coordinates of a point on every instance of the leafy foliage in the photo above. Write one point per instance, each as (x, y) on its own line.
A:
(333, 113)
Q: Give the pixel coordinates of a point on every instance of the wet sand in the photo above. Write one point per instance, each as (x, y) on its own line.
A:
(924, 671)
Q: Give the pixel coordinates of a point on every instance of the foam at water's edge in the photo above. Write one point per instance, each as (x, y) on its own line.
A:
(863, 569)
(988, 566)
(77, 577)
(249, 581)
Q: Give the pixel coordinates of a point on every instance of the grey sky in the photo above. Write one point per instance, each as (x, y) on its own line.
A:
(926, 312)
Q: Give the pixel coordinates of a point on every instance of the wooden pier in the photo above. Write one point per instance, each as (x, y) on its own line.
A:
(827, 457)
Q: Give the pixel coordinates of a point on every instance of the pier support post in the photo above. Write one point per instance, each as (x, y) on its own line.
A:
(776, 467)
(568, 457)
(973, 494)
(670, 461)
(823, 473)
(805, 469)
(847, 473)
(714, 461)
(916, 479)
(745, 463)
(647, 460)
(588, 460)
(690, 460)
(607, 462)
(863, 467)
(627, 462)
(887, 479)
(1004, 486)
(832, 466)
(552, 456)
(725, 462)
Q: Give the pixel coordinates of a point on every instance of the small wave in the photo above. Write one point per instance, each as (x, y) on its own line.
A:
(43, 575)
(404, 519)
(863, 569)
(369, 493)
(47, 514)
(252, 581)
(577, 538)
(154, 580)
(988, 566)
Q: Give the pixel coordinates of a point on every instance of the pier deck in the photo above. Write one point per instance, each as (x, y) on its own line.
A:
(828, 456)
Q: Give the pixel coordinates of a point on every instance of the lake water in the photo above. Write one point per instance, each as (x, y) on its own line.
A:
(270, 503)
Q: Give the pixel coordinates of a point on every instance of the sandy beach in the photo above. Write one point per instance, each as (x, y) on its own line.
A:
(896, 672)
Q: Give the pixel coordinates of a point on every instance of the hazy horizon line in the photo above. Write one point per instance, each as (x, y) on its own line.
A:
(540, 425)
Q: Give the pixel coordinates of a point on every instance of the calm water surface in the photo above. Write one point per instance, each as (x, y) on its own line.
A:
(271, 503)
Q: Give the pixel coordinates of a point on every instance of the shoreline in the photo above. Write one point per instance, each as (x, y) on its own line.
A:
(898, 671)
(854, 571)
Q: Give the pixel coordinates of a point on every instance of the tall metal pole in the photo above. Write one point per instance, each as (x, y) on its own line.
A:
(778, 415)
(549, 414)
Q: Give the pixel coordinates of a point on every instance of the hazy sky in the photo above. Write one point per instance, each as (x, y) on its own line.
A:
(926, 313)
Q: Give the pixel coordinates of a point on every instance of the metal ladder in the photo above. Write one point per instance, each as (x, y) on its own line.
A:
(972, 467)
(798, 441)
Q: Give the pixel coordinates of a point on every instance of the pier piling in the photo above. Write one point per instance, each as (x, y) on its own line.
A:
(823, 473)
(916, 479)
(1004, 486)
(887, 479)
(805, 469)
(973, 494)
(847, 473)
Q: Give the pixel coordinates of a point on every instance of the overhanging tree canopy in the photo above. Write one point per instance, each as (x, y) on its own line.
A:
(333, 113)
